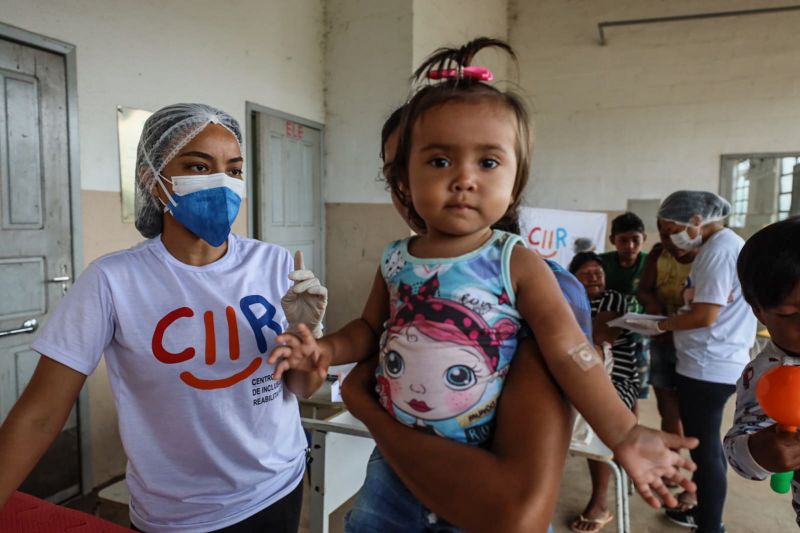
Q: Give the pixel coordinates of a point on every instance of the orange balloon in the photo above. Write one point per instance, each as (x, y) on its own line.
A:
(778, 392)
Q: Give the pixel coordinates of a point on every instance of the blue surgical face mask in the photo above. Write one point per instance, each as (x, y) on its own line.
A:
(206, 205)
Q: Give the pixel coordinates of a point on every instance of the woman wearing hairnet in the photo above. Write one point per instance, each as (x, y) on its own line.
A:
(713, 334)
(186, 320)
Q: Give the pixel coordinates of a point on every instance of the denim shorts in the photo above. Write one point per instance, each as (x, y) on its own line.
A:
(662, 365)
(385, 505)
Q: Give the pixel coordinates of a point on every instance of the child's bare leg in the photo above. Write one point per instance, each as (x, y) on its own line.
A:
(601, 475)
(595, 515)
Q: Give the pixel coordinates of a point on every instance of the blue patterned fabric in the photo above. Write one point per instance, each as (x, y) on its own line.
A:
(450, 338)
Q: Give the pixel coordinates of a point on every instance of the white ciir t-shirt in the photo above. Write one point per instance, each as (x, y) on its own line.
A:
(717, 353)
(211, 439)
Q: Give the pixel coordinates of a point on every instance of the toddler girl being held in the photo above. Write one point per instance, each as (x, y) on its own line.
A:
(446, 306)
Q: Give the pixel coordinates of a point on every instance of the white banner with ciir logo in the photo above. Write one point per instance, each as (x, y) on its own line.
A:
(552, 233)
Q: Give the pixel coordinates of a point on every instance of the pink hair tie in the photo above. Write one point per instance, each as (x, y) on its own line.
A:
(475, 73)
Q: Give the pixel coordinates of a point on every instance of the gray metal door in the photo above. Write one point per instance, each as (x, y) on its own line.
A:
(289, 187)
(35, 238)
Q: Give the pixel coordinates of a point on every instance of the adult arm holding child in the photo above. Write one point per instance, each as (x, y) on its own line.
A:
(526, 441)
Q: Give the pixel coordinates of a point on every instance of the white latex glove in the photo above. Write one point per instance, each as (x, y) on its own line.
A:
(306, 300)
(608, 357)
(644, 326)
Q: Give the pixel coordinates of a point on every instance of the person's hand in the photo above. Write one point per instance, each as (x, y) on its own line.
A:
(358, 389)
(298, 352)
(644, 326)
(775, 450)
(306, 300)
(649, 456)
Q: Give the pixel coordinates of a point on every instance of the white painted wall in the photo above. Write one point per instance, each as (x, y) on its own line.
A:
(367, 65)
(451, 23)
(150, 53)
(652, 110)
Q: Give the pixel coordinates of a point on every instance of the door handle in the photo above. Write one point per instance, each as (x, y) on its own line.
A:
(62, 279)
(29, 326)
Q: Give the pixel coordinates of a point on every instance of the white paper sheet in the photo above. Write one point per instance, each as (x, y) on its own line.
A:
(621, 322)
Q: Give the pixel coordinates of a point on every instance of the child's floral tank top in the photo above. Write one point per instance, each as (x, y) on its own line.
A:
(451, 334)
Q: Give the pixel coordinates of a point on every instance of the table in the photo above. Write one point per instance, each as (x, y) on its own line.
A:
(340, 448)
(320, 403)
(24, 513)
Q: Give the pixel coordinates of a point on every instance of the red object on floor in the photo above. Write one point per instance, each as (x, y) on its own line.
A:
(24, 513)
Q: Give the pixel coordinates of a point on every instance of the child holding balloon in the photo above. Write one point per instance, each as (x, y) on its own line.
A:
(759, 444)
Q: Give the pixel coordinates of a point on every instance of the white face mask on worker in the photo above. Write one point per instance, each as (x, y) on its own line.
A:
(683, 241)
(183, 185)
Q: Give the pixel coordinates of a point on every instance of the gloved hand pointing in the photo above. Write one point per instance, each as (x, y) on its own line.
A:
(306, 300)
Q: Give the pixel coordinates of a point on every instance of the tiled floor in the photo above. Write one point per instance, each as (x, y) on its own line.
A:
(751, 507)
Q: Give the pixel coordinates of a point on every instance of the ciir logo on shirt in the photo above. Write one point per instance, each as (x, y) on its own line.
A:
(258, 312)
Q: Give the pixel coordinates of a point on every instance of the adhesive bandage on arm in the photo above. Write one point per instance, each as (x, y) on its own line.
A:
(585, 356)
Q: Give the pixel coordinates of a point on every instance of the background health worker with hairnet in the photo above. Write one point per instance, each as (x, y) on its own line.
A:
(186, 320)
(713, 333)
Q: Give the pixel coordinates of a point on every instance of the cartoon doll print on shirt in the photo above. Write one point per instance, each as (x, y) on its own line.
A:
(439, 364)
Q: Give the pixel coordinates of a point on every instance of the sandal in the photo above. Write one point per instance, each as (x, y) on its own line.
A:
(594, 524)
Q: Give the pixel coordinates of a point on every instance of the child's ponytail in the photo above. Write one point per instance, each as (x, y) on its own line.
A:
(455, 58)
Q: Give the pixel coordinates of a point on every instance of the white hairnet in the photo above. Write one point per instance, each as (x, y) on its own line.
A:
(165, 133)
(681, 206)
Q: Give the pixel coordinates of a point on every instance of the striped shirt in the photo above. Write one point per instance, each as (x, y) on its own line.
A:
(624, 374)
